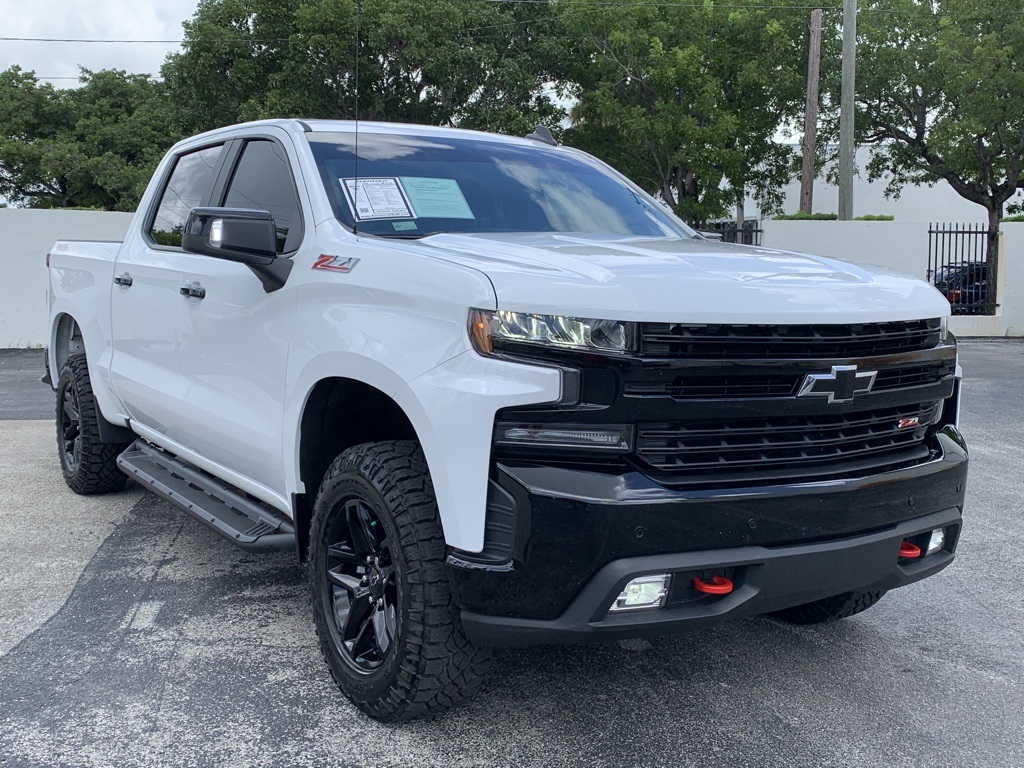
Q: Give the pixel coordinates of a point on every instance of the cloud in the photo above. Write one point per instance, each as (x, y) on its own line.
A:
(101, 19)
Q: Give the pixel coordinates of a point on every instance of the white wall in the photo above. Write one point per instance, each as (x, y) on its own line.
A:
(25, 238)
(903, 246)
(937, 202)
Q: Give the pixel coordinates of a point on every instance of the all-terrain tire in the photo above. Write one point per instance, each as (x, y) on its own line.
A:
(430, 665)
(830, 608)
(89, 465)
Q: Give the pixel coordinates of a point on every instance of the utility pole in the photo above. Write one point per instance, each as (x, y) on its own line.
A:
(846, 148)
(811, 115)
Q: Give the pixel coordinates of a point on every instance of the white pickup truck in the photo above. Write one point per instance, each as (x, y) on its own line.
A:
(495, 394)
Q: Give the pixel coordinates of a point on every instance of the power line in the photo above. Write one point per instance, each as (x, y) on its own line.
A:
(92, 40)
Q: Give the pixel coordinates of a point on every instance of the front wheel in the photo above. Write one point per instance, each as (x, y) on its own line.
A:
(388, 627)
(830, 608)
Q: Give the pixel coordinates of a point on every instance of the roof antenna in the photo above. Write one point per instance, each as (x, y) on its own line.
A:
(355, 191)
(542, 134)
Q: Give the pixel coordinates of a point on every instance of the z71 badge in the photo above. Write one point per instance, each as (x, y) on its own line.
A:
(334, 263)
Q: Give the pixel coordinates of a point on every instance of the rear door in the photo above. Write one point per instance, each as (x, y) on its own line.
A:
(146, 307)
(234, 341)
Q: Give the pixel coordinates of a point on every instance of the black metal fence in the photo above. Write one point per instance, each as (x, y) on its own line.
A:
(958, 265)
(749, 234)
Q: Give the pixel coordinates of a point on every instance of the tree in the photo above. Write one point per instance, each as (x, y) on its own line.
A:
(95, 146)
(938, 93)
(442, 62)
(686, 98)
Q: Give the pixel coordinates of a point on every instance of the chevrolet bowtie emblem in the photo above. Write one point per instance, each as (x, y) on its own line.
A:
(839, 386)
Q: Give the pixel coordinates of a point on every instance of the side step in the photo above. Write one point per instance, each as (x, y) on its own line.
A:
(242, 520)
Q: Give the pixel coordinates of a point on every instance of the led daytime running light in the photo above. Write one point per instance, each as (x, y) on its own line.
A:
(609, 336)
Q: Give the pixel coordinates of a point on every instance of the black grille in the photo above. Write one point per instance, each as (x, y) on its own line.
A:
(784, 446)
(793, 342)
(734, 386)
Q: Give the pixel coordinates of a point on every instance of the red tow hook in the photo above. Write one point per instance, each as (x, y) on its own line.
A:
(909, 550)
(719, 585)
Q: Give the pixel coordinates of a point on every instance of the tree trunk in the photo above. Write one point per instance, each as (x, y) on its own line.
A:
(995, 213)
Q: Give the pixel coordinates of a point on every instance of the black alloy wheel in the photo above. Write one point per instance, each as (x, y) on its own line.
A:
(361, 589)
(389, 628)
(69, 427)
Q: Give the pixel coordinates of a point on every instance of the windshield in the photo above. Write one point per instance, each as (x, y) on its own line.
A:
(414, 186)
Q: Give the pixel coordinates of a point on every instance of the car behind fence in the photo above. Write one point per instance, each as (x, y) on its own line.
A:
(959, 261)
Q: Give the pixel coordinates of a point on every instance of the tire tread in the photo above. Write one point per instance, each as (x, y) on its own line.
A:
(440, 667)
(833, 608)
(97, 470)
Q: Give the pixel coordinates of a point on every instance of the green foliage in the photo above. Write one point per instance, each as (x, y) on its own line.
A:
(686, 98)
(938, 85)
(875, 217)
(440, 62)
(91, 147)
(683, 98)
(1012, 219)
(804, 216)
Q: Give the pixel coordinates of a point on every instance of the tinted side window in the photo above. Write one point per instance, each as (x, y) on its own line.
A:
(263, 180)
(189, 184)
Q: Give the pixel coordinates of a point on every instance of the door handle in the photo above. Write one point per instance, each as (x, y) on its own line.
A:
(125, 280)
(193, 291)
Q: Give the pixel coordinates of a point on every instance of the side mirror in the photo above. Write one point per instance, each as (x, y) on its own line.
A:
(235, 234)
(241, 235)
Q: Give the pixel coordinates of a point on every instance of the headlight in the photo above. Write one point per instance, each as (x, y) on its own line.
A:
(608, 336)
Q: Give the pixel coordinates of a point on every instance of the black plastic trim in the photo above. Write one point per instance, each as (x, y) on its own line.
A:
(244, 521)
(766, 580)
(572, 520)
(47, 379)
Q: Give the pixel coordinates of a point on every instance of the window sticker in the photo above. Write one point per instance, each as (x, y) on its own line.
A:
(404, 226)
(436, 198)
(376, 198)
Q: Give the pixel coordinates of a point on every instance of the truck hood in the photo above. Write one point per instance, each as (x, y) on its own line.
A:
(682, 280)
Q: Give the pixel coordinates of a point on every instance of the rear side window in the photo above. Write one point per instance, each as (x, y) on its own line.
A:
(188, 187)
(263, 181)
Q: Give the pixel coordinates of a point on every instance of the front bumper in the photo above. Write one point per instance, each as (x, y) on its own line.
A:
(578, 537)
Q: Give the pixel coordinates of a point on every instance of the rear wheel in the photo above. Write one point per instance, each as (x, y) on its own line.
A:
(388, 627)
(89, 464)
(830, 608)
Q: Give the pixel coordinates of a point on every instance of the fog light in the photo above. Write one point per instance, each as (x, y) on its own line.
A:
(644, 592)
(937, 541)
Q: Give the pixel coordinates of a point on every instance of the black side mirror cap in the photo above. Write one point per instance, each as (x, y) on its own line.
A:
(234, 234)
(241, 235)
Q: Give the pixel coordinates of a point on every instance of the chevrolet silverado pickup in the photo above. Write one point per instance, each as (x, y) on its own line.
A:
(495, 394)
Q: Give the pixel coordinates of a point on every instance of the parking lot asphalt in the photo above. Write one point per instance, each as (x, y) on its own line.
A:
(130, 635)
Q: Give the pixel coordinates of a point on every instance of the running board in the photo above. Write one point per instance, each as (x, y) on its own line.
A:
(242, 520)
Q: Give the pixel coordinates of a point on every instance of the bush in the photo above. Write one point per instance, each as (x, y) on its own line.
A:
(874, 217)
(1011, 219)
(801, 216)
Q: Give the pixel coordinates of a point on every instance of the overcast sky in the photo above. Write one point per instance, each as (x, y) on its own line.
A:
(99, 19)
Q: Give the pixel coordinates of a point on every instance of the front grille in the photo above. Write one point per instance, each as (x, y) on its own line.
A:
(734, 386)
(793, 342)
(784, 446)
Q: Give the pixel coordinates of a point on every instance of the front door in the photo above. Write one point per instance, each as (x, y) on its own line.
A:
(233, 343)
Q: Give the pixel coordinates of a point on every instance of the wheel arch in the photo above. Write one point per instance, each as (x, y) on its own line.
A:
(66, 340)
(338, 413)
